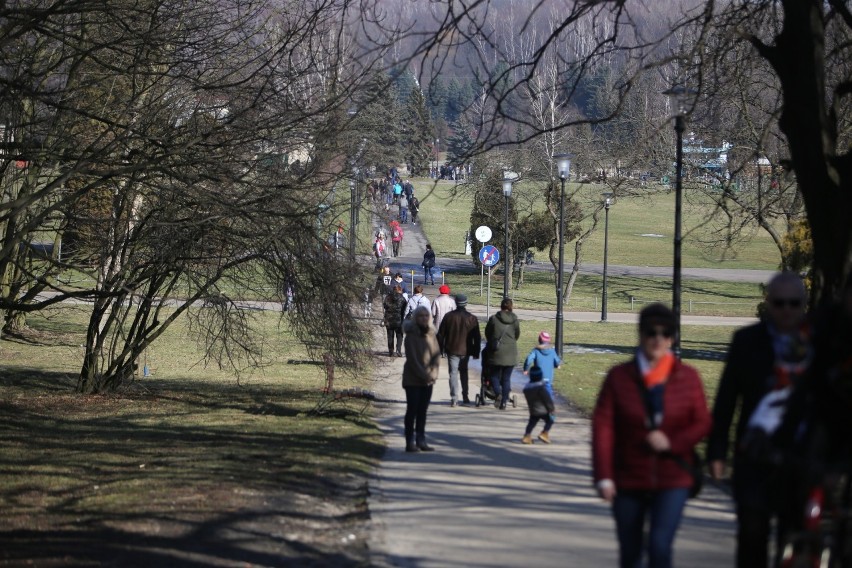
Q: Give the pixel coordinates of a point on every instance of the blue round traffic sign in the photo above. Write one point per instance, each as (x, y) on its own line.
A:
(489, 255)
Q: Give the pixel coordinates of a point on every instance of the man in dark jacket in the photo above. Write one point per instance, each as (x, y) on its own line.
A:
(460, 339)
(502, 332)
(394, 305)
(383, 285)
(750, 375)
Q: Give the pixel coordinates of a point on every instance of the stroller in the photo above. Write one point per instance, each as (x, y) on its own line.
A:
(486, 389)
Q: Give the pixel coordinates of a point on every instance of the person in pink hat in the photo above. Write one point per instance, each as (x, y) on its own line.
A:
(543, 357)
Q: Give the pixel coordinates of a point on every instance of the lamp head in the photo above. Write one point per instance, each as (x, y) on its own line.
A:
(563, 164)
(507, 187)
(681, 97)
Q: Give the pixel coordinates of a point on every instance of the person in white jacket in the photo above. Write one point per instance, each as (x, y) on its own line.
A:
(442, 305)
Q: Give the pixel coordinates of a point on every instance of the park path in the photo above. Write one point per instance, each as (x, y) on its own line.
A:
(484, 499)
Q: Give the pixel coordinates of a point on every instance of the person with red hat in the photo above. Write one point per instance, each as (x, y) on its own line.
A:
(442, 305)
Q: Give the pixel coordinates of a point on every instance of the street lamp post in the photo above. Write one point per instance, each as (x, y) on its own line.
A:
(435, 151)
(507, 261)
(679, 96)
(607, 204)
(353, 203)
(563, 164)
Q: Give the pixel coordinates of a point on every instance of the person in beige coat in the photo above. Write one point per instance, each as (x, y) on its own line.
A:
(422, 357)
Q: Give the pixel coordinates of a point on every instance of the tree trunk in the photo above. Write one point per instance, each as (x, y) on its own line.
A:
(810, 126)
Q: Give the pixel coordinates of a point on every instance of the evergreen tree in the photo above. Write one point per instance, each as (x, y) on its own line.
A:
(417, 128)
(378, 122)
(460, 143)
(404, 82)
(489, 209)
(455, 102)
(437, 99)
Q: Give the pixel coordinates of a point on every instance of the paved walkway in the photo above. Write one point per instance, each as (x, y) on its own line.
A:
(484, 499)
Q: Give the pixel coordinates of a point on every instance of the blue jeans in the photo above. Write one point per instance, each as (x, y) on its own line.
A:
(403, 214)
(665, 508)
(427, 275)
(417, 403)
(458, 370)
(501, 381)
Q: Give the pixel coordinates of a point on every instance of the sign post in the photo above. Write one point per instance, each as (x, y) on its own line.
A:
(489, 256)
(483, 235)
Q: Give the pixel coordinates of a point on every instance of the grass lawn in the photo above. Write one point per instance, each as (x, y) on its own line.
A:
(184, 463)
(538, 292)
(592, 348)
(640, 231)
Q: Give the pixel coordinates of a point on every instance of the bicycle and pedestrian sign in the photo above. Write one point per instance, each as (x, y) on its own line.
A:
(489, 255)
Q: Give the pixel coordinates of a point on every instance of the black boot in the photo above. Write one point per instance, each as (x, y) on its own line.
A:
(410, 446)
(423, 446)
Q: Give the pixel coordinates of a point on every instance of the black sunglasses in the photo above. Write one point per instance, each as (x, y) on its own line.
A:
(791, 302)
(649, 333)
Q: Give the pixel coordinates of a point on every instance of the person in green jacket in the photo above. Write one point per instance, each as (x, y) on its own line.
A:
(501, 333)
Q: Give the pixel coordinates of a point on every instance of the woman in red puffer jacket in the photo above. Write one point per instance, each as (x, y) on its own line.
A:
(650, 414)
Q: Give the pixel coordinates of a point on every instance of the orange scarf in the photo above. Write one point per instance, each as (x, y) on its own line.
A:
(659, 374)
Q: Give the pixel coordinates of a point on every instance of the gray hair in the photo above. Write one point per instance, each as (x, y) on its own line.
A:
(784, 279)
(422, 310)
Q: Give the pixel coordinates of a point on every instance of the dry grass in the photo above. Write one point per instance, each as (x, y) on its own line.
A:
(185, 467)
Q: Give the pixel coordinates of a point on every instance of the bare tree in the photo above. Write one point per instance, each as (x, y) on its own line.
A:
(164, 139)
(804, 43)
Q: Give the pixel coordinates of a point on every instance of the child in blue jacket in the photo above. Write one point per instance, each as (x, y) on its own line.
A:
(545, 358)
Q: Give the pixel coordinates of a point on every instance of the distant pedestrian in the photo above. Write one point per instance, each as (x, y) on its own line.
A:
(650, 414)
(399, 281)
(394, 306)
(396, 236)
(417, 300)
(337, 240)
(460, 340)
(543, 357)
(414, 207)
(403, 209)
(383, 285)
(501, 333)
(428, 264)
(422, 360)
(540, 405)
(442, 305)
(379, 250)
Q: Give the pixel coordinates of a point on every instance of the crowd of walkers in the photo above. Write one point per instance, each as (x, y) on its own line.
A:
(786, 389)
(459, 339)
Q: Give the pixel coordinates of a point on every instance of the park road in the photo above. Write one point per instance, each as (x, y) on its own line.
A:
(484, 499)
